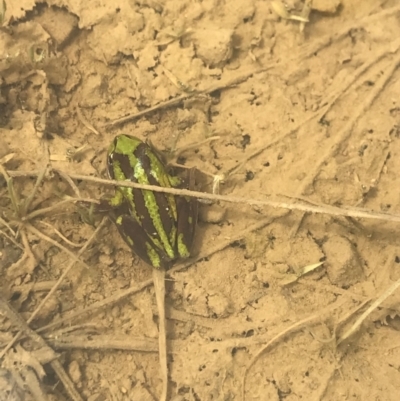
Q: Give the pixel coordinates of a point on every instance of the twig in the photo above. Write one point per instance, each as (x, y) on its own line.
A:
(83, 120)
(46, 210)
(37, 287)
(10, 238)
(5, 224)
(325, 209)
(105, 342)
(389, 291)
(67, 382)
(28, 250)
(15, 201)
(322, 209)
(159, 288)
(38, 182)
(71, 183)
(63, 331)
(348, 315)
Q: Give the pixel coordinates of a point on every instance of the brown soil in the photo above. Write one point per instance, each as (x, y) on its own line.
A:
(308, 111)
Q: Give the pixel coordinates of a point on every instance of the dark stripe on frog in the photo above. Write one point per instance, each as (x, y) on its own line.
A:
(159, 177)
(137, 238)
(125, 165)
(120, 169)
(117, 172)
(155, 208)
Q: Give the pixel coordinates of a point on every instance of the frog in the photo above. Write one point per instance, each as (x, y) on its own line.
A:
(158, 227)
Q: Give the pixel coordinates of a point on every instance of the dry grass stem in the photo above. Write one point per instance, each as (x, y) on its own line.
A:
(71, 183)
(159, 289)
(11, 239)
(47, 210)
(386, 294)
(320, 209)
(5, 224)
(37, 287)
(67, 382)
(38, 182)
(28, 252)
(105, 342)
(85, 122)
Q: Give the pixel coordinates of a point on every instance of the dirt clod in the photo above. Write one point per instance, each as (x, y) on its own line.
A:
(213, 45)
(59, 23)
(343, 263)
(74, 371)
(325, 6)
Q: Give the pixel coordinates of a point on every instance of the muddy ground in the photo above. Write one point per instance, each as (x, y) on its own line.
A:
(303, 111)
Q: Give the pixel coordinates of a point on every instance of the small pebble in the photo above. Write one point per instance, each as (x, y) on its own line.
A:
(75, 372)
(106, 260)
(115, 311)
